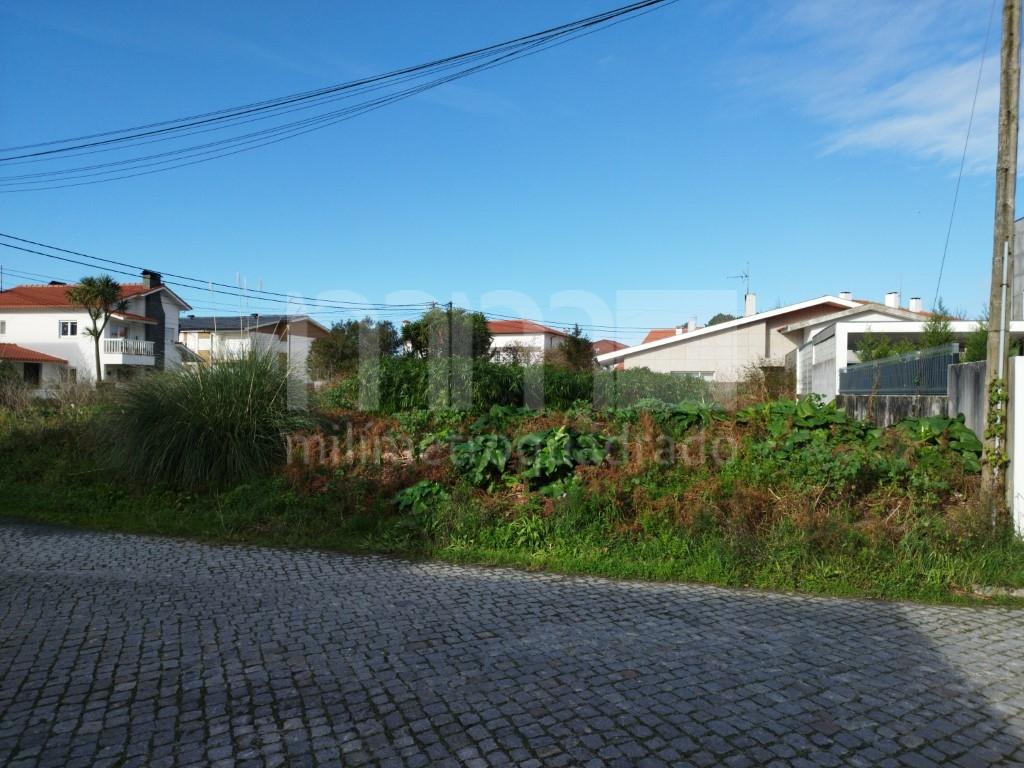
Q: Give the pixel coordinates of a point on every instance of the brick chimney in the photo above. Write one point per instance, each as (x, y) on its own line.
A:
(151, 279)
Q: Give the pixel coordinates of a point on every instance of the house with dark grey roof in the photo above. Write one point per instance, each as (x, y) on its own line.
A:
(223, 337)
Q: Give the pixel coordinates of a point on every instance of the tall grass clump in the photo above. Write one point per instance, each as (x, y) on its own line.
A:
(205, 426)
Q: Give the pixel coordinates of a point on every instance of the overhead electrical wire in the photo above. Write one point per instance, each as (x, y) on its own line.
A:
(309, 305)
(963, 156)
(454, 68)
(209, 286)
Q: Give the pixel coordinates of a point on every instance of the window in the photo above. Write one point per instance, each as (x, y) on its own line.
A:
(32, 373)
(68, 327)
(3, 327)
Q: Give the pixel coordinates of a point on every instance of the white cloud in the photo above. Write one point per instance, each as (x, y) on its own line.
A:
(887, 76)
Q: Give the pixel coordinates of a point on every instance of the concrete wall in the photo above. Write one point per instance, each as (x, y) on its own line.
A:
(886, 410)
(966, 391)
(965, 394)
(1015, 479)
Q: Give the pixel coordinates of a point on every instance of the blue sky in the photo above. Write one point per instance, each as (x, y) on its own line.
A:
(619, 179)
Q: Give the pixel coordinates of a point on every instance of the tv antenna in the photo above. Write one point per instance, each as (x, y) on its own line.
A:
(744, 276)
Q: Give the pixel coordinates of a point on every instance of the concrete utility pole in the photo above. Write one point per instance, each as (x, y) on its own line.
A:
(994, 471)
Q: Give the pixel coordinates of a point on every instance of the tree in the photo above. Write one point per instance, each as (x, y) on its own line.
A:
(721, 317)
(576, 351)
(937, 331)
(101, 298)
(431, 331)
(976, 344)
(875, 347)
(338, 352)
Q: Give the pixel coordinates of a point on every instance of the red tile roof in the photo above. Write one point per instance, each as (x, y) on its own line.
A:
(18, 354)
(604, 346)
(657, 334)
(137, 318)
(499, 327)
(53, 296)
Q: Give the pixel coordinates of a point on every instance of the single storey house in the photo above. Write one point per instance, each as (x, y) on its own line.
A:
(721, 352)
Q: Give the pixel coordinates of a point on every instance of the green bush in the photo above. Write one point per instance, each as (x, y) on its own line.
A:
(204, 426)
(483, 458)
(553, 454)
(413, 383)
(622, 389)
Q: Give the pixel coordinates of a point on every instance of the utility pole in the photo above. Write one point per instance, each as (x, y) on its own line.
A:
(996, 454)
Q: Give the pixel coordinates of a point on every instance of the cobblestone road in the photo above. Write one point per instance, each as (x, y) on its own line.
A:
(119, 650)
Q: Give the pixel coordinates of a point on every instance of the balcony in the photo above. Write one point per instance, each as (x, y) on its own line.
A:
(128, 352)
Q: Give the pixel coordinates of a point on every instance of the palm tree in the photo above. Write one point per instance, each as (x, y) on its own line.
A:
(101, 298)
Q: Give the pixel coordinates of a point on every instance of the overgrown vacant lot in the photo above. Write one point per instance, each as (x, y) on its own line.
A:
(780, 495)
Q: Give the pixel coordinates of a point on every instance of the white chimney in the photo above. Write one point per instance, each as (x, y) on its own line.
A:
(691, 325)
(750, 304)
(916, 305)
(846, 295)
(679, 330)
(892, 299)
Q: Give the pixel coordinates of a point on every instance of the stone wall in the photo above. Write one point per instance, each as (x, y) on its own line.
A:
(966, 390)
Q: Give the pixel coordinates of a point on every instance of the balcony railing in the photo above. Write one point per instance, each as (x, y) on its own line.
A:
(128, 347)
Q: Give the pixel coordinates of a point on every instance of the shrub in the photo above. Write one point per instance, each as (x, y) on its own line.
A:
(14, 395)
(621, 389)
(483, 458)
(553, 454)
(204, 426)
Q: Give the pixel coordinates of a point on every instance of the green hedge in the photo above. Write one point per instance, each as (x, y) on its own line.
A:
(398, 384)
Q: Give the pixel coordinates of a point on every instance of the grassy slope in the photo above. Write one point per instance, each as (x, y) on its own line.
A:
(269, 513)
(45, 476)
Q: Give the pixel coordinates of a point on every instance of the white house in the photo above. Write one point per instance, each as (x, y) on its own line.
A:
(826, 345)
(40, 320)
(290, 336)
(523, 340)
(722, 351)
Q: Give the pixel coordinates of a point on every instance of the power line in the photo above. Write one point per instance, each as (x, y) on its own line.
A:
(204, 285)
(963, 156)
(480, 60)
(125, 134)
(311, 305)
